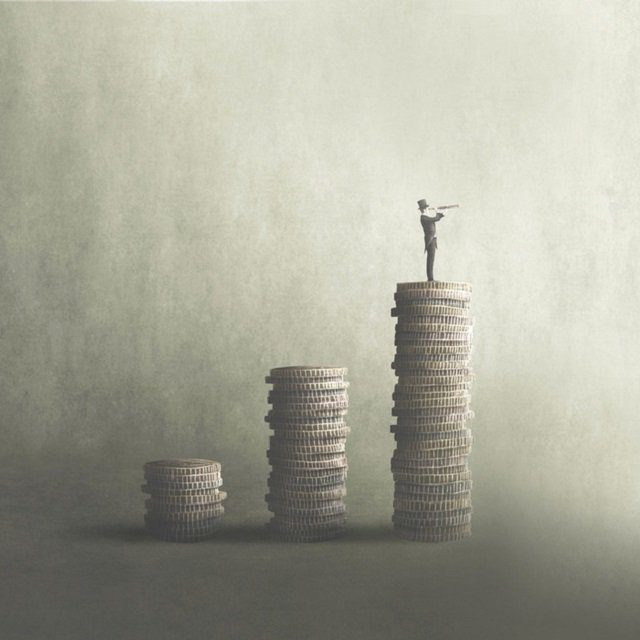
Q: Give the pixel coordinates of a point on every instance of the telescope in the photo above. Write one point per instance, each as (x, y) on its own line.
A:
(446, 206)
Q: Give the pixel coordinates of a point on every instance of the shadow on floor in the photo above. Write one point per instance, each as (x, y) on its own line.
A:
(228, 534)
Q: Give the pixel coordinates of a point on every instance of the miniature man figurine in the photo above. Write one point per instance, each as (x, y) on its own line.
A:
(430, 238)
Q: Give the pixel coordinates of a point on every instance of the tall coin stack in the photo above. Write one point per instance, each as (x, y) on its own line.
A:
(432, 499)
(185, 500)
(307, 452)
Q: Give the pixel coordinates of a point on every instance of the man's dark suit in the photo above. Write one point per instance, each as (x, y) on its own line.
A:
(430, 240)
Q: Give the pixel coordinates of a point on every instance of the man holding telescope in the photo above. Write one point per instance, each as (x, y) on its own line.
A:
(429, 227)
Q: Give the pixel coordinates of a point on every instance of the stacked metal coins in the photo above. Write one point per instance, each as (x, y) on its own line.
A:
(185, 500)
(307, 452)
(432, 499)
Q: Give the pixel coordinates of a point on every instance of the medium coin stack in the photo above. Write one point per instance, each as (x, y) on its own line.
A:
(432, 498)
(185, 500)
(307, 452)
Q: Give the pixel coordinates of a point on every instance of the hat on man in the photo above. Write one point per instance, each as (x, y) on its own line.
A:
(422, 203)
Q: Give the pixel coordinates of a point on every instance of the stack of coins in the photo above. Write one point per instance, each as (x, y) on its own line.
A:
(307, 452)
(185, 503)
(432, 499)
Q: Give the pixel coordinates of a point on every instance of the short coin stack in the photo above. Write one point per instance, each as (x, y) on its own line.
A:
(432, 499)
(307, 452)
(185, 500)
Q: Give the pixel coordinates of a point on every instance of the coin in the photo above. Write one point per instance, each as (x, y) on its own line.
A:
(432, 478)
(420, 321)
(426, 400)
(407, 432)
(297, 372)
(307, 414)
(406, 340)
(416, 456)
(184, 518)
(410, 454)
(436, 380)
(331, 384)
(287, 481)
(430, 295)
(160, 506)
(440, 301)
(427, 338)
(308, 422)
(291, 511)
(154, 486)
(417, 392)
(402, 343)
(426, 324)
(169, 490)
(407, 446)
(309, 499)
(185, 480)
(417, 306)
(429, 331)
(430, 465)
(440, 534)
(276, 487)
(310, 436)
(309, 465)
(431, 439)
(183, 466)
(324, 395)
(438, 504)
(312, 457)
(194, 527)
(433, 391)
(279, 448)
(205, 498)
(181, 535)
(430, 520)
(310, 503)
(431, 404)
(416, 429)
(313, 523)
(459, 391)
(419, 492)
(306, 494)
(429, 368)
(308, 476)
(439, 448)
(309, 408)
(430, 310)
(434, 284)
(432, 360)
(431, 414)
(435, 349)
(423, 417)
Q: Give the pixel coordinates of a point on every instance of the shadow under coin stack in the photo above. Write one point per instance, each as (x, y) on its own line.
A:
(185, 500)
(307, 452)
(432, 498)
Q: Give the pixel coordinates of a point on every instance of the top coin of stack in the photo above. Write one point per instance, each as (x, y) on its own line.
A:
(307, 452)
(185, 502)
(432, 500)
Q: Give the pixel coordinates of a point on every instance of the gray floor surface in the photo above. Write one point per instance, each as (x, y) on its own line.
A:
(76, 563)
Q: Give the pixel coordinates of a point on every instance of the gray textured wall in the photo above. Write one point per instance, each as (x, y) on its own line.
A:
(192, 194)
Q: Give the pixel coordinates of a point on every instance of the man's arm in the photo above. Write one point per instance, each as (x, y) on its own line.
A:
(437, 217)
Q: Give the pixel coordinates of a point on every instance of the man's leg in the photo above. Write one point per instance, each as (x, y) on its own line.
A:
(431, 256)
